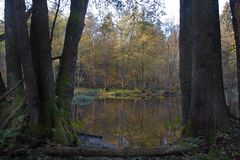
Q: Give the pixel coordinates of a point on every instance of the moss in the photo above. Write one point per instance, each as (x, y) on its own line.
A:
(63, 131)
(59, 136)
(17, 100)
(38, 131)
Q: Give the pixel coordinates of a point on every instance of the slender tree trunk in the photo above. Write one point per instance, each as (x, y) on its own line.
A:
(235, 9)
(23, 42)
(208, 107)
(2, 101)
(2, 86)
(185, 46)
(65, 79)
(13, 62)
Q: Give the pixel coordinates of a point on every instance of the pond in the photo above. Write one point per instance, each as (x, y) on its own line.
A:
(131, 123)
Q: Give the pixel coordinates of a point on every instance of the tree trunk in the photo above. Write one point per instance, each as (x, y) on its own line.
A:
(23, 42)
(51, 124)
(208, 108)
(2, 86)
(2, 100)
(65, 79)
(185, 46)
(41, 52)
(13, 62)
(66, 75)
(235, 9)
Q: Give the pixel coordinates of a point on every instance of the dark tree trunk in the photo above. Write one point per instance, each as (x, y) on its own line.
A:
(66, 76)
(41, 51)
(24, 48)
(185, 46)
(235, 9)
(28, 13)
(65, 79)
(2, 86)
(208, 107)
(2, 100)
(13, 62)
(49, 116)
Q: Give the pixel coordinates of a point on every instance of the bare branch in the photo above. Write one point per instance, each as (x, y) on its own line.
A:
(10, 90)
(55, 58)
(54, 21)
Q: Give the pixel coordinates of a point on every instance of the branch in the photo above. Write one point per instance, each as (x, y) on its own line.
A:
(4, 125)
(10, 90)
(54, 21)
(55, 58)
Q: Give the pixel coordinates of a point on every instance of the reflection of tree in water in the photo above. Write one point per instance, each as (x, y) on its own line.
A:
(132, 123)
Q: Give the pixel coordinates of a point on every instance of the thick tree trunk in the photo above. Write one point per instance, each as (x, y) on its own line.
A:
(28, 13)
(208, 108)
(185, 46)
(41, 51)
(13, 62)
(65, 79)
(51, 124)
(235, 9)
(66, 75)
(24, 47)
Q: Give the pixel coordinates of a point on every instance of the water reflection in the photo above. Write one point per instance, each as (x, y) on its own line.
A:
(131, 122)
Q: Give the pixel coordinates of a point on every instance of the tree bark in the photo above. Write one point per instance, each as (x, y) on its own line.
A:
(24, 47)
(66, 76)
(235, 9)
(185, 46)
(65, 79)
(28, 13)
(41, 51)
(208, 108)
(13, 62)
(51, 125)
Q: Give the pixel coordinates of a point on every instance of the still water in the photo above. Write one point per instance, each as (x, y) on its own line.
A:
(130, 123)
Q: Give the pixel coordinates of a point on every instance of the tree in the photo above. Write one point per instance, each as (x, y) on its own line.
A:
(185, 47)
(235, 9)
(208, 109)
(31, 90)
(13, 63)
(48, 117)
(65, 79)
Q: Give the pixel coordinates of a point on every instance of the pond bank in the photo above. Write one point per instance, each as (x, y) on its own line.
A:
(89, 94)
